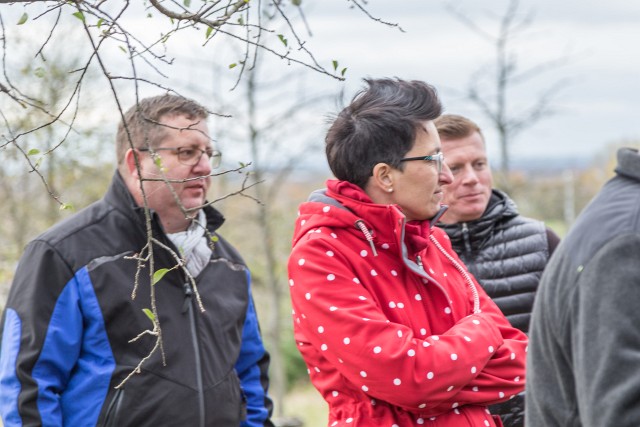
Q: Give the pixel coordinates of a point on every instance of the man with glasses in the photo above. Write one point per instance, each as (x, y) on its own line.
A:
(135, 311)
(505, 251)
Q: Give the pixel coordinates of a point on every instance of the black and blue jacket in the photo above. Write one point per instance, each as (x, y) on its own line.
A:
(70, 319)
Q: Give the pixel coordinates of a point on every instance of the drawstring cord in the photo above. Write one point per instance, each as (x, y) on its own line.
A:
(367, 234)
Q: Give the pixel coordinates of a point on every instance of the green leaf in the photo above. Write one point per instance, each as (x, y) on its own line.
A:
(187, 3)
(282, 39)
(33, 152)
(234, 65)
(209, 31)
(159, 274)
(40, 72)
(66, 207)
(79, 15)
(23, 18)
(214, 238)
(149, 314)
(100, 21)
(344, 70)
(241, 20)
(123, 49)
(335, 65)
(296, 2)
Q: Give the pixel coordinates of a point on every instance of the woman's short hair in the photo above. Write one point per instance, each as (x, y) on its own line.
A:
(379, 125)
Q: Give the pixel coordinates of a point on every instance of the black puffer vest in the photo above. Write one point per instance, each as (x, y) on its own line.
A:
(506, 253)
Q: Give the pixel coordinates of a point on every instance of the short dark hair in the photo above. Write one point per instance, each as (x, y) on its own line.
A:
(380, 125)
(453, 126)
(142, 119)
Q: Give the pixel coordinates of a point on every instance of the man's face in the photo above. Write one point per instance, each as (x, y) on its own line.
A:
(192, 180)
(468, 195)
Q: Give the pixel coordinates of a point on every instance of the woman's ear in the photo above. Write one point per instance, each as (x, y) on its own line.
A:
(382, 177)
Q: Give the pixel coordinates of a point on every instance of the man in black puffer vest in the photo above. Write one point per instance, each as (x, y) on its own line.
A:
(505, 251)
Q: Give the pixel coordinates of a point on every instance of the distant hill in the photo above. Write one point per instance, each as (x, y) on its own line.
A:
(546, 164)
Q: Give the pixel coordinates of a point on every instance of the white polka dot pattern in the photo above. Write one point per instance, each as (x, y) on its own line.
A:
(365, 312)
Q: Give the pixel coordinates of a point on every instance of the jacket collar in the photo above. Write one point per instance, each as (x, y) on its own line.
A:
(629, 163)
(500, 208)
(386, 223)
(119, 196)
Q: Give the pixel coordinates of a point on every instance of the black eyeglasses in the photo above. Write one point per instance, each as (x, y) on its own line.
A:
(190, 156)
(438, 158)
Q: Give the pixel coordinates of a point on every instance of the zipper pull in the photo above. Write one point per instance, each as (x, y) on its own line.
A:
(367, 234)
(465, 238)
(419, 262)
(187, 296)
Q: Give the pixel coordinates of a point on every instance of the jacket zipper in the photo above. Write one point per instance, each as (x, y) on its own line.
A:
(465, 239)
(188, 307)
(474, 291)
(113, 411)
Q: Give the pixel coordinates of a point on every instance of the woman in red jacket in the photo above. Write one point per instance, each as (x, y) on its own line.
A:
(393, 328)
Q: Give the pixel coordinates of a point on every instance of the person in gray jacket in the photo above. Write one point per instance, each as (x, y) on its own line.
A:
(584, 351)
(505, 251)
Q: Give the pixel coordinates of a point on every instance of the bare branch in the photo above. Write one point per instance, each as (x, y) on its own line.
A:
(366, 12)
(507, 74)
(538, 69)
(540, 110)
(468, 22)
(199, 17)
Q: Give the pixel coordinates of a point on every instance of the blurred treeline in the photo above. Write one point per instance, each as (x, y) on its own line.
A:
(80, 176)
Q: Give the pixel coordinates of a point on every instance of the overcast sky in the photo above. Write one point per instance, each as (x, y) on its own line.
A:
(597, 103)
(599, 99)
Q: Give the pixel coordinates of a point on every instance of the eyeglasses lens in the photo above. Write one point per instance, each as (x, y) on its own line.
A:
(191, 156)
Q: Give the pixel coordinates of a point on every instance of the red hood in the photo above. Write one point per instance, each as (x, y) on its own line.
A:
(342, 204)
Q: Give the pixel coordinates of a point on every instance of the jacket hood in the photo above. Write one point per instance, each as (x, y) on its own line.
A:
(629, 163)
(343, 205)
(500, 208)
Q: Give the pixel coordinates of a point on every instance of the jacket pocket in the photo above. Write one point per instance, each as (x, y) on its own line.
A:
(235, 380)
(112, 417)
(226, 403)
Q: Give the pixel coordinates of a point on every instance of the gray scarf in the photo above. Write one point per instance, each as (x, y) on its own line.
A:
(192, 244)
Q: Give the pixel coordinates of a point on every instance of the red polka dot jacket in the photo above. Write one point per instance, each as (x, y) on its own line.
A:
(392, 327)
